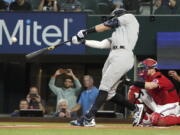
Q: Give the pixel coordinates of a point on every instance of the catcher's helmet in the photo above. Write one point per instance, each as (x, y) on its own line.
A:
(143, 67)
(150, 63)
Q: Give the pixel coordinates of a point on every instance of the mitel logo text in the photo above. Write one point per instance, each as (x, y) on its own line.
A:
(33, 33)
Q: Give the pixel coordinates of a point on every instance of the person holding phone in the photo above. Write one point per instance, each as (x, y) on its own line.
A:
(70, 89)
(49, 5)
(34, 99)
(62, 109)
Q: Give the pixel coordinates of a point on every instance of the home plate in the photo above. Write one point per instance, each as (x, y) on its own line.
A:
(100, 126)
(161, 127)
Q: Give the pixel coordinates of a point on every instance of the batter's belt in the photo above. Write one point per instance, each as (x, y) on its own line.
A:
(117, 47)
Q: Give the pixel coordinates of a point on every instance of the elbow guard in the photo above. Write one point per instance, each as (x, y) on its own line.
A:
(112, 23)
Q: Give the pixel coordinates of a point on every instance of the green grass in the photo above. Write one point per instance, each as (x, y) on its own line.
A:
(84, 131)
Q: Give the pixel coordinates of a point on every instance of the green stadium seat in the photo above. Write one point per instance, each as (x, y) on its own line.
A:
(163, 11)
(89, 5)
(103, 8)
(35, 4)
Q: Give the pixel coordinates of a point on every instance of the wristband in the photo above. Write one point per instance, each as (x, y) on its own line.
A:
(139, 84)
(91, 30)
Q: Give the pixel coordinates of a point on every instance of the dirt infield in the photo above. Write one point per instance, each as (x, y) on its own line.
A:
(118, 127)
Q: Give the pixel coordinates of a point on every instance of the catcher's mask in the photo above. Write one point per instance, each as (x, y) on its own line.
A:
(145, 65)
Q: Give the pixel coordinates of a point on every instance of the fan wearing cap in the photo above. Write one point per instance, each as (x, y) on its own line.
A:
(157, 93)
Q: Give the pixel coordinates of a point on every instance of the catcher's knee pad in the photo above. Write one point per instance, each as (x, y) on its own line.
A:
(155, 118)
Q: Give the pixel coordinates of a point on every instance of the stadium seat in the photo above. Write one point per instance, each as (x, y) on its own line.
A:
(104, 6)
(145, 8)
(89, 6)
(163, 11)
(35, 4)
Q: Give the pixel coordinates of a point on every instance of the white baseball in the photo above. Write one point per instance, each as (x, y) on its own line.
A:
(14, 39)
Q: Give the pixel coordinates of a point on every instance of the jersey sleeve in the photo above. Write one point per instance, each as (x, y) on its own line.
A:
(125, 19)
(104, 44)
(112, 23)
(161, 83)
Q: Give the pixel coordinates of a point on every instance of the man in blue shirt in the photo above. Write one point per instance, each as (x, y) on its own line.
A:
(88, 96)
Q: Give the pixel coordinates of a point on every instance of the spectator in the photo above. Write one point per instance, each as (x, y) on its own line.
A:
(157, 4)
(20, 5)
(165, 2)
(71, 6)
(23, 105)
(176, 80)
(131, 5)
(88, 96)
(49, 5)
(117, 4)
(173, 6)
(34, 99)
(160, 8)
(62, 109)
(174, 75)
(3, 5)
(67, 92)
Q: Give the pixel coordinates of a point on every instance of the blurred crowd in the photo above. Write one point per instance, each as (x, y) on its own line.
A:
(72, 97)
(142, 7)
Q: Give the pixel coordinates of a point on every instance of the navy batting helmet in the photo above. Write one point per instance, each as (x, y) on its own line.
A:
(119, 12)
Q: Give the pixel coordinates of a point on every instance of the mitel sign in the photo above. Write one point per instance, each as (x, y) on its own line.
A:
(37, 30)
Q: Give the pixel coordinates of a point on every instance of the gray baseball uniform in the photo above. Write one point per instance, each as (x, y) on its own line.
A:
(121, 58)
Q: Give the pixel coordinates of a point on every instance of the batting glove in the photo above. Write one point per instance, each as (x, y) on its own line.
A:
(75, 40)
(81, 34)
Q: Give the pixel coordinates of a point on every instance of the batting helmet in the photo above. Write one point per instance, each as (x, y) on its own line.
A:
(119, 12)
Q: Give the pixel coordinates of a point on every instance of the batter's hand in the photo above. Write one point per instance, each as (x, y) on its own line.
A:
(81, 34)
(75, 40)
(79, 38)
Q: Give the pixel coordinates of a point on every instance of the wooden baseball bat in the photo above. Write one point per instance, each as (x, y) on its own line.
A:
(44, 50)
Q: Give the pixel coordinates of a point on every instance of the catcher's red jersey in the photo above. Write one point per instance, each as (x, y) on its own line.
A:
(166, 92)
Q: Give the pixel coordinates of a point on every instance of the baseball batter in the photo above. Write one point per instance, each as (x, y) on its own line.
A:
(119, 61)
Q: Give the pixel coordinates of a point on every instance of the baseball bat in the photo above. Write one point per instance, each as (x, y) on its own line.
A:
(44, 50)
